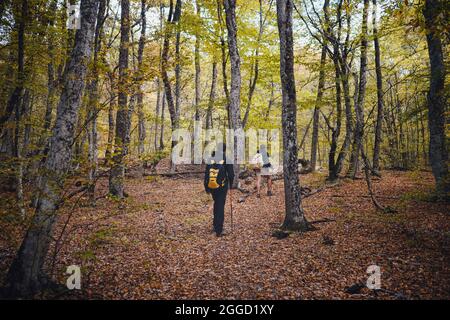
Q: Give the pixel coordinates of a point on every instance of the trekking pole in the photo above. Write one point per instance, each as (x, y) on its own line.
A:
(231, 207)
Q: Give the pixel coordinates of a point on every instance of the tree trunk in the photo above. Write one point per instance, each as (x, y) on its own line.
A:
(235, 92)
(197, 66)
(224, 60)
(294, 218)
(25, 275)
(359, 106)
(172, 20)
(437, 104)
(255, 68)
(379, 123)
(142, 132)
(212, 96)
(16, 97)
(111, 109)
(315, 132)
(157, 107)
(158, 79)
(117, 174)
(336, 131)
(93, 103)
(161, 135)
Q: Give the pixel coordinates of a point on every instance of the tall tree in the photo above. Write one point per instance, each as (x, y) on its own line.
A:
(379, 123)
(197, 65)
(294, 218)
(117, 174)
(320, 89)
(224, 57)
(361, 93)
(434, 13)
(142, 132)
(93, 88)
(212, 95)
(16, 96)
(254, 73)
(172, 21)
(26, 274)
(235, 91)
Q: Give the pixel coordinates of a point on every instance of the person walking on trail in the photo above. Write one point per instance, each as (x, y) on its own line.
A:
(218, 176)
(263, 168)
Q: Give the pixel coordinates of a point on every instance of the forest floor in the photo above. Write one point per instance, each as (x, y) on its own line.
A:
(160, 245)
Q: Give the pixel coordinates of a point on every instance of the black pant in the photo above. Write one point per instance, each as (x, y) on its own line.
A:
(219, 197)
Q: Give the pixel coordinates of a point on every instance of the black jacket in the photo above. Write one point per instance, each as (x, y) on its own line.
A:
(229, 172)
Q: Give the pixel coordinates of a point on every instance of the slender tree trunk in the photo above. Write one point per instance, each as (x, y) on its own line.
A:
(51, 81)
(359, 106)
(271, 100)
(235, 92)
(111, 124)
(437, 100)
(212, 96)
(158, 79)
(93, 103)
(379, 123)
(197, 66)
(255, 68)
(161, 135)
(295, 218)
(224, 60)
(172, 20)
(315, 132)
(158, 103)
(336, 131)
(142, 131)
(16, 97)
(117, 174)
(25, 275)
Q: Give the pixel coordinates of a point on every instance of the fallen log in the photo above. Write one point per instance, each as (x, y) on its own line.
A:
(171, 174)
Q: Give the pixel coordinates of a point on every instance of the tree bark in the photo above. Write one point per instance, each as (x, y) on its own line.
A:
(379, 123)
(172, 20)
(212, 96)
(16, 97)
(161, 135)
(315, 132)
(142, 131)
(111, 122)
(255, 68)
(197, 66)
(93, 103)
(437, 100)
(224, 61)
(235, 91)
(359, 105)
(294, 218)
(25, 275)
(117, 174)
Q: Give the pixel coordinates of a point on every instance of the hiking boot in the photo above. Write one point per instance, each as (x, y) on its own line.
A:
(269, 193)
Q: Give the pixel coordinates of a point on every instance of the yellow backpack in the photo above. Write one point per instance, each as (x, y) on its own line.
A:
(216, 175)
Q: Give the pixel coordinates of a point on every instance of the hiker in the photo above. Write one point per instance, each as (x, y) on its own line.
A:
(218, 176)
(263, 168)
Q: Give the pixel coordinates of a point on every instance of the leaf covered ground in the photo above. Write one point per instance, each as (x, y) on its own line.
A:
(160, 245)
